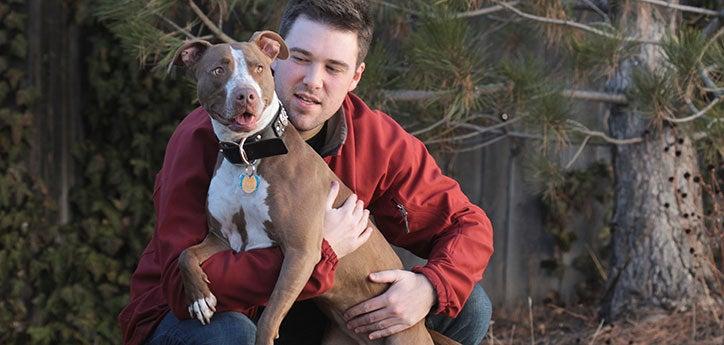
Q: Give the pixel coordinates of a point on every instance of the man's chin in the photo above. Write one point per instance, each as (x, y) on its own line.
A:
(304, 122)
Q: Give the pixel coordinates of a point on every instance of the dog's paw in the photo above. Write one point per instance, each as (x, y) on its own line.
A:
(203, 308)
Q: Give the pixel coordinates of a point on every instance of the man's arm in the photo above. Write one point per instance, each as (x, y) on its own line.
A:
(426, 212)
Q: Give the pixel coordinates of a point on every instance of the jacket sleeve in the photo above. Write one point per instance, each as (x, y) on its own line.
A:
(427, 213)
(240, 281)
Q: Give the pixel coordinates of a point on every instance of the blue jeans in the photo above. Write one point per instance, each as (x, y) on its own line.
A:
(305, 324)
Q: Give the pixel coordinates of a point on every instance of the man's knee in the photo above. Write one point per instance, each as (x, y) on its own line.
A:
(224, 328)
(477, 312)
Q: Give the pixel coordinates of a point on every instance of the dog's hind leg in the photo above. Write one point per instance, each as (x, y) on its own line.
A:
(195, 281)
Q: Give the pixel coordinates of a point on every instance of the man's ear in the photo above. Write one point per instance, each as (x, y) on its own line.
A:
(189, 53)
(357, 77)
(271, 44)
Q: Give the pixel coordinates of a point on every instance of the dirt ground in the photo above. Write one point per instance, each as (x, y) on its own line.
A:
(552, 324)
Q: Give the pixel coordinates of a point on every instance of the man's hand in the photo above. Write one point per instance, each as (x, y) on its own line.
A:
(405, 303)
(345, 228)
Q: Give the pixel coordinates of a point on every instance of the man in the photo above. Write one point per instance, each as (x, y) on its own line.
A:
(414, 205)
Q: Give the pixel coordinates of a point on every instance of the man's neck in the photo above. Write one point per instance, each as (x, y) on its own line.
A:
(306, 135)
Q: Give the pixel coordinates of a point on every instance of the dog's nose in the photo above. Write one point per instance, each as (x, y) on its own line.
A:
(247, 96)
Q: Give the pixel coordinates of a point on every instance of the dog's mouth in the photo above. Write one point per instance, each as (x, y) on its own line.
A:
(244, 122)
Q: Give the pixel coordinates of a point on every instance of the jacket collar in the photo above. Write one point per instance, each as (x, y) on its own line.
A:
(336, 134)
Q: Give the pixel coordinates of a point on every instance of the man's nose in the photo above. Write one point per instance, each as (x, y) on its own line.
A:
(246, 96)
(313, 77)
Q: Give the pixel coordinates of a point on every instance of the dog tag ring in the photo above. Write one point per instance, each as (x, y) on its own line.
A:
(249, 181)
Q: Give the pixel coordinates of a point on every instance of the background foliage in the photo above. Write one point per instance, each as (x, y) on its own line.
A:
(66, 284)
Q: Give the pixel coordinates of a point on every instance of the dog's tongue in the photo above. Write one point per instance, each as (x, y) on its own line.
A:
(244, 122)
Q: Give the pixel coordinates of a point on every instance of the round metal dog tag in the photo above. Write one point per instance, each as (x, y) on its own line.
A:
(249, 183)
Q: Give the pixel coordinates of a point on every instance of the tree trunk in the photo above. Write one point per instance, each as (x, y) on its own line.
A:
(660, 258)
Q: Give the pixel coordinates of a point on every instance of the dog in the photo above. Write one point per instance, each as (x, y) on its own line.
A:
(252, 202)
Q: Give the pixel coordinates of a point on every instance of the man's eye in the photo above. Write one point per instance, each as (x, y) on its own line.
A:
(217, 71)
(333, 70)
(299, 59)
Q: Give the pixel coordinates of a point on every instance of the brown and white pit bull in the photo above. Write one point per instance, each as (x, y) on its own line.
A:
(255, 204)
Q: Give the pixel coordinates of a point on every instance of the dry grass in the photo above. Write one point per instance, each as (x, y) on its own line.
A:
(581, 325)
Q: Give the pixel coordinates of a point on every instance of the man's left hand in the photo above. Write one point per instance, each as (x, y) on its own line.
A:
(405, 303)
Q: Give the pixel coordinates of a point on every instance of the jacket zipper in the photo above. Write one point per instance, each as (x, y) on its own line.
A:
(403, 213)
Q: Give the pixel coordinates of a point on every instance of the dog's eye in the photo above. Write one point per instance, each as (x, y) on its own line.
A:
(217, 71)
(259, 69)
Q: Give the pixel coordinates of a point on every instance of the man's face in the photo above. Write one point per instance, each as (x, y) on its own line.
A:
(320, 71)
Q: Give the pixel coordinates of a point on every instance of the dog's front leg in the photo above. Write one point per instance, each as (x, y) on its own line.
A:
(202, 301)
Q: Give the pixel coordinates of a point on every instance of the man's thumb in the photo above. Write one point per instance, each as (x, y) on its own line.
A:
(334, 190)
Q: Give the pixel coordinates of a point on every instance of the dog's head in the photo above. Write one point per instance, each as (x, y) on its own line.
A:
(234, 81)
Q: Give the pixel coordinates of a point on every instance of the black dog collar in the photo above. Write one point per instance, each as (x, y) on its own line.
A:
(267, 143)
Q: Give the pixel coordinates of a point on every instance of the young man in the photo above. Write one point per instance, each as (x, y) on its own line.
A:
(414, 205)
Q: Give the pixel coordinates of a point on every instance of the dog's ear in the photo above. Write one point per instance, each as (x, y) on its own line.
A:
(271, 44)
(189, 53)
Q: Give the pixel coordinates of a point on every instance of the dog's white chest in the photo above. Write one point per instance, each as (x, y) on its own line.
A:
(226, 198)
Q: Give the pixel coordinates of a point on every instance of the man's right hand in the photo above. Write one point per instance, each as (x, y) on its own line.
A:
(345, 228)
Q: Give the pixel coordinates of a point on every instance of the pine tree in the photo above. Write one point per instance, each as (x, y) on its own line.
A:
(465, 74)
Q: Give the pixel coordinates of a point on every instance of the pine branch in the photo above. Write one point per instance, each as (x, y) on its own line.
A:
(684, 8)
(215, 29)
(466, 14)
(701, 112)
(573, 24)
(423, 95)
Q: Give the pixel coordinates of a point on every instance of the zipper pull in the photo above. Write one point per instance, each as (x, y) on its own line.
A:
(403, 213)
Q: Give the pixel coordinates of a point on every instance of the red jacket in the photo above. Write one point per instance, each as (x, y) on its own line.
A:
(413, 203)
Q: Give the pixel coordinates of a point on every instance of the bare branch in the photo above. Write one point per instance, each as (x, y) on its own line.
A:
(578, 153)
(580, 128)
(477, 130)
(598, 10)
(484, 144)
(684, 8)
(178, 28)
(701, 112)
(215, 29)
(483, 11)
(595, 96)
(572, 24)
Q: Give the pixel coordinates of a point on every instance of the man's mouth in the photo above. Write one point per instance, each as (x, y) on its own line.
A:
(308, 99)
(243, 122)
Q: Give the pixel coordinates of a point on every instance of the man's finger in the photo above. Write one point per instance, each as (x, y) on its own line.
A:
(359, 207)
(368, 319)
(364, 219)
(365, 307)
(377, 326)
(389, 276)
(365, 235)
(388, 331)
(350, 203)
(333, 191)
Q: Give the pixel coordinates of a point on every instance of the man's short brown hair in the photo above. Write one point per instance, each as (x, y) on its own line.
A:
(347, 15)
